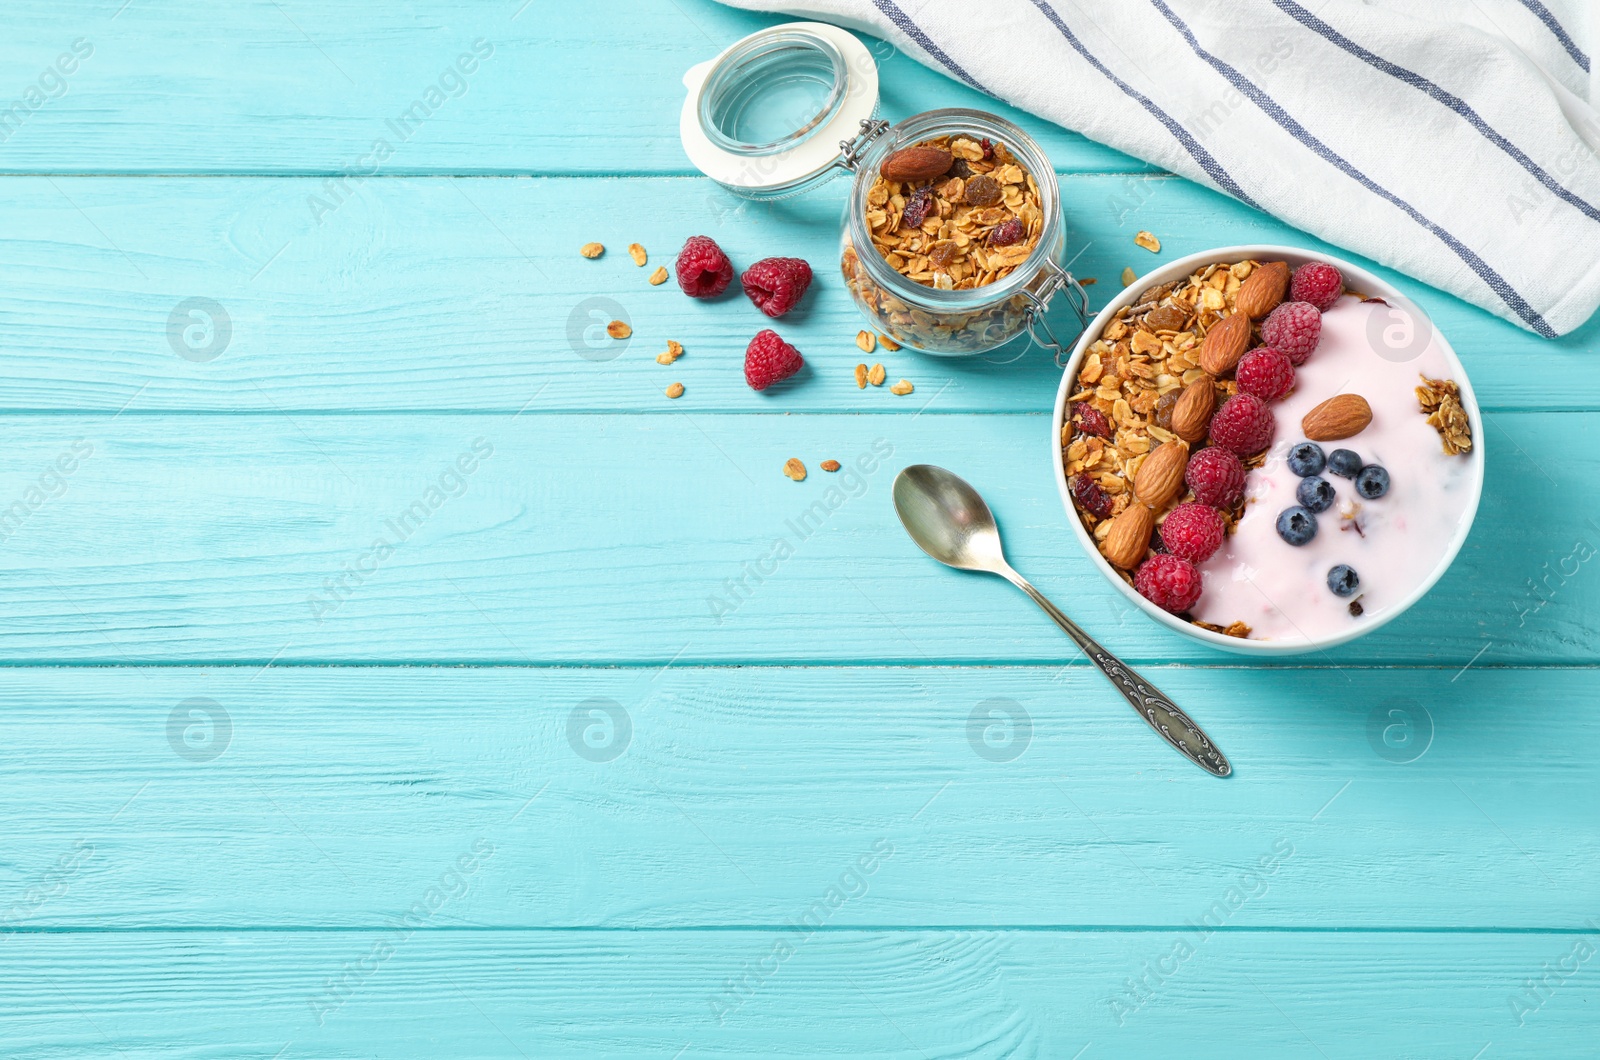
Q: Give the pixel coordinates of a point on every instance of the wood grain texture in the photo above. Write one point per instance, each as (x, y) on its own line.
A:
(941, 994)
(296, 87)
(316, 797)
(643, 539)
(590, 830)
(469, 294)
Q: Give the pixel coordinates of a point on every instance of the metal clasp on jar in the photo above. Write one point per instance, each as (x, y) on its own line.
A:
(1078, 298)
(851, 150)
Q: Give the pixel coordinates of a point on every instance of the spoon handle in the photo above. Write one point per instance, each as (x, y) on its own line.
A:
(1149, 702)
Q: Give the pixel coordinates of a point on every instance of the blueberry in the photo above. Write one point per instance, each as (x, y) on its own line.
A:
(1316, 493)
(1306, 459)
(1344, 462)
(1372, 482)
(1297, 525)
(1343, 581)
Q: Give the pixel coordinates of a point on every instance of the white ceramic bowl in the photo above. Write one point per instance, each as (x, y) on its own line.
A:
(1356, 279)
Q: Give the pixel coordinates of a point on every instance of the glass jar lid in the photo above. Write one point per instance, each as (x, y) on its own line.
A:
(767, 117)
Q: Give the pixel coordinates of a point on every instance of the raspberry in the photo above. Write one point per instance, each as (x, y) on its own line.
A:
(1193, 531)
(776, 285)
(704, 271)
(1266, 373)
(1217, 477)
(1090, 420)
(1294, 328)
(1090, 497)
(1170, 582)
(1317, 282)
(1243, 424)
(768, 359)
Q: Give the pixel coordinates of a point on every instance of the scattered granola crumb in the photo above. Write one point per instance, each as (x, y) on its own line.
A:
(866, 341)
(861, 377)
(1148, 241)
(673, 351)
(675, 390)
(887, 343)
(658, 277)
(1441, 403)
(636, 252)
(1128, 276)
(831, 465)
(903, 387)
(794, 469)
(877, 375)
(618, 330)
(1088, 281)
(592, 250)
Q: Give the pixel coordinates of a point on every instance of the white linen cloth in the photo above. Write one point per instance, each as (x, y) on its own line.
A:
(1454, 140)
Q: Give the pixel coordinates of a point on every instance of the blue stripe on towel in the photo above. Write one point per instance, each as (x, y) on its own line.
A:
(1494, 280)
(1207, 162)
(1455, 103)
(912, 30)
(1544, 15)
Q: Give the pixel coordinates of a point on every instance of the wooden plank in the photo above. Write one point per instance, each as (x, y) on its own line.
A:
(910, 995)
(627, 539)
(621, 797)
(297, 87)
(470, 295)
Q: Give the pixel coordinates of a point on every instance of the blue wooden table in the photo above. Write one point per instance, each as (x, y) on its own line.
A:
(285, 778)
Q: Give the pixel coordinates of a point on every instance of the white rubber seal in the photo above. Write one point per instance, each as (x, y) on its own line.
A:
(810, 159)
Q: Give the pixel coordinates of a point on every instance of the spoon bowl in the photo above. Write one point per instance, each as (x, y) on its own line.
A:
(947, 518)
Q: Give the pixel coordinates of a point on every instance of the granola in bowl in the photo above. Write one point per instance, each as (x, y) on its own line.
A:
(1252, 462)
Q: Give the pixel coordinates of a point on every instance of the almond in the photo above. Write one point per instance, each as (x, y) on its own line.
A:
(911, 164)
(1192, 414)
(1161, 475)
(1341, 416)
(1129, 537)
(1225, 343)
(1263, 289)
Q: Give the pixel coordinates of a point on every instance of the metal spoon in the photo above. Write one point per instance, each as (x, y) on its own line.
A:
(949, 521)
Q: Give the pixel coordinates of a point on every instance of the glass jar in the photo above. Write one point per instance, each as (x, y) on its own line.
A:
(788, 108)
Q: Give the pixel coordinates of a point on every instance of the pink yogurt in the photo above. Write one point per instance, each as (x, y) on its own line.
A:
(1280, 590)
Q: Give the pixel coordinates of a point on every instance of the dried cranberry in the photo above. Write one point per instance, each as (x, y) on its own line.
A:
(1090, 497)
(983, 190)
(988, 150)
(917, 208)
(1013, 231)
(1090, 420)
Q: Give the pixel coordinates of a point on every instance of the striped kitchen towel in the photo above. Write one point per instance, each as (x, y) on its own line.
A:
(1454, 140)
